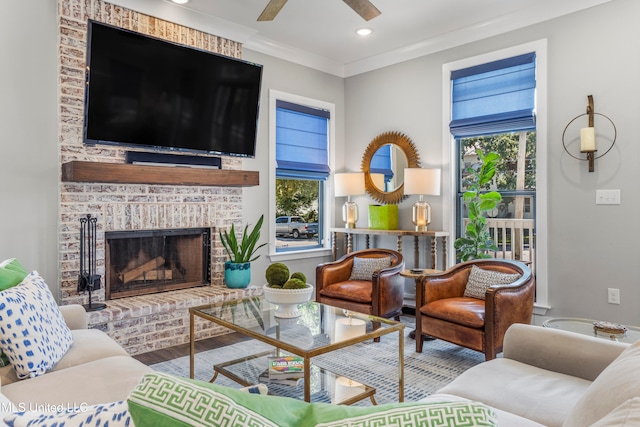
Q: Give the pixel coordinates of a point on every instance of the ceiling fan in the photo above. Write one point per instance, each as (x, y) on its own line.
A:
(364, 8)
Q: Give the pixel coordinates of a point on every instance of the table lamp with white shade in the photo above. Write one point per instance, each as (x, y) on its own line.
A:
(422, 182)
(349, 184)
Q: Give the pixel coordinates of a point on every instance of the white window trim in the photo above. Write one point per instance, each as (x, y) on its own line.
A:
(275, 95)
(449, 158)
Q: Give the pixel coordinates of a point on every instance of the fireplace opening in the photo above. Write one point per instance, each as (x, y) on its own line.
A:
(149, 261)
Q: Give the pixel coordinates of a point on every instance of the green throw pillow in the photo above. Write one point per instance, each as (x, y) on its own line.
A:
(4, 360)
(162, 399)
(408, 414)
(14, 265)
(11, 273)
(165, 400)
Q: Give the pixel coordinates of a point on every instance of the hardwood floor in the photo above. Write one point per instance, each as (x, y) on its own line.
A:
(170, 353)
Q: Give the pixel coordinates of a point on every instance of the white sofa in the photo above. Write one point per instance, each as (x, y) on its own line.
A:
(94, 370)
(549, 377)
(546, 377)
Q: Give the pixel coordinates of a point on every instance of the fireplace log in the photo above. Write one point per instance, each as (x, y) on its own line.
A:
(149, 276)
(134, 273)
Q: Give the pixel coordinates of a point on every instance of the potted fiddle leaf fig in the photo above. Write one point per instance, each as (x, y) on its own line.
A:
(477, 242)
(237, 270)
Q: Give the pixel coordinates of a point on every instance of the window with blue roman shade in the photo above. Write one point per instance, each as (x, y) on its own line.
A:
(495, 97)
(301, 141)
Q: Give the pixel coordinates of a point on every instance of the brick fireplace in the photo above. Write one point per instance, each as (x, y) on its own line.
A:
(143, 262)
(145, 322)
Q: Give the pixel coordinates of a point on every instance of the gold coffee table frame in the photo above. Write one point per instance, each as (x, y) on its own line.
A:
(358, 393)
(254, 317)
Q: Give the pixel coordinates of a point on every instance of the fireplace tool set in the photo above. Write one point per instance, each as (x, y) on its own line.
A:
(88, 279)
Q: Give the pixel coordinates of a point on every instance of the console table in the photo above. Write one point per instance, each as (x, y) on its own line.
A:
(399, 234)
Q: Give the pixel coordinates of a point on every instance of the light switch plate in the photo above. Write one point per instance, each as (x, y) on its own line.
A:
(607, 197)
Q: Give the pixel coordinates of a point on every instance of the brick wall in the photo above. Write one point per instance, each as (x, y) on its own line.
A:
(131, 207)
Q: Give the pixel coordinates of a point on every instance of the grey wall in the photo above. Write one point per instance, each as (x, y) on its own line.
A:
(29, 167)
(593, 52)
(287, 77)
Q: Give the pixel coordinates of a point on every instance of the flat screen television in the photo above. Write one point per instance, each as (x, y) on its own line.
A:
(149, 93)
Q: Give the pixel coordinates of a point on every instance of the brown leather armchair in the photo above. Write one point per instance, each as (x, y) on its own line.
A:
(445, 313)
(381, 296)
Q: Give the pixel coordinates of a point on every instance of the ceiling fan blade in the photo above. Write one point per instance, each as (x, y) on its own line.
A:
(272, 9)
(364, 8)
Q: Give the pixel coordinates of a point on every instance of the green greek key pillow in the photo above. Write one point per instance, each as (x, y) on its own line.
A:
(162, 399)
(165, 400)
(408, 414)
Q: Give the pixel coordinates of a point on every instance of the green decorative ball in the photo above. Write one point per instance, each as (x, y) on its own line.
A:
(277, 274)
(294, 284)
(298, 275)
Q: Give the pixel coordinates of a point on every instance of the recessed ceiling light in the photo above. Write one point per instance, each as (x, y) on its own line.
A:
(364, 32)
(180, 1)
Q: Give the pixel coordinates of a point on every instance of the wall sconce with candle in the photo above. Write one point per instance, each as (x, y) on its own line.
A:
(349, 184)
(422, 182)
(588, 136)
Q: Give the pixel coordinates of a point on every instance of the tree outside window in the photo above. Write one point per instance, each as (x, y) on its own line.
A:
(515, 180)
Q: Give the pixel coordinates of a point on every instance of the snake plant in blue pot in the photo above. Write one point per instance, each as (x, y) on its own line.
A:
(237, 270)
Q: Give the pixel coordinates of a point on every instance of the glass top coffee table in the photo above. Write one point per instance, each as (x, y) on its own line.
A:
(320, 329)
(586, 327)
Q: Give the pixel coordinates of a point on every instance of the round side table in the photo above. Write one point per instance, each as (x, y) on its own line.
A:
(585, 327)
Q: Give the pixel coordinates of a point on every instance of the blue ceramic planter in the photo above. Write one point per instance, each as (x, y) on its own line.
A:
(237, 275)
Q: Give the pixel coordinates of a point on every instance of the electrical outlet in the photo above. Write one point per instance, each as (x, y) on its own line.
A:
(607, 197)
(613, 296)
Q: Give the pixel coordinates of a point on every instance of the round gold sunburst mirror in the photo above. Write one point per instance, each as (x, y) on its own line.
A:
(383, 164)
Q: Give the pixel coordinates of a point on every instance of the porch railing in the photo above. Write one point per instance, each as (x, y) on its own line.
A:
(515, 239)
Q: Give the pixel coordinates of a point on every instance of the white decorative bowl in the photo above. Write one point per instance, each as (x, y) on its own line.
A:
(287, 300)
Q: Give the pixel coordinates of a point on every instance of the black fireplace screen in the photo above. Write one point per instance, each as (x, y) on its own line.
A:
(149, 261)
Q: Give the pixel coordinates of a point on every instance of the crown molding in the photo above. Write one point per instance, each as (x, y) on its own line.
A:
(253, 41)
(469, 34)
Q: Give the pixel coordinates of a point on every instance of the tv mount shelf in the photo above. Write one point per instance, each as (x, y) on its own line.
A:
(122, 173)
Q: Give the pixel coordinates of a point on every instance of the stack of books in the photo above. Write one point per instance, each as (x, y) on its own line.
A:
(287, 370)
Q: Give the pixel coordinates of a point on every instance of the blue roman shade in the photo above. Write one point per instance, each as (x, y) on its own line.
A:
(301, 141)
(496, 97)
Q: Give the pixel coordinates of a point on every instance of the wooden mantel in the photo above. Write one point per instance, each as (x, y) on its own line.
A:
(125, 173)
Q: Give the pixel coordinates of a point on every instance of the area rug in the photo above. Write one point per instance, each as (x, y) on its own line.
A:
(371, 363)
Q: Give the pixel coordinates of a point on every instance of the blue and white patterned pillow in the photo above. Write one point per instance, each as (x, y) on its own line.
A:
(114, 414)
(33, 333)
